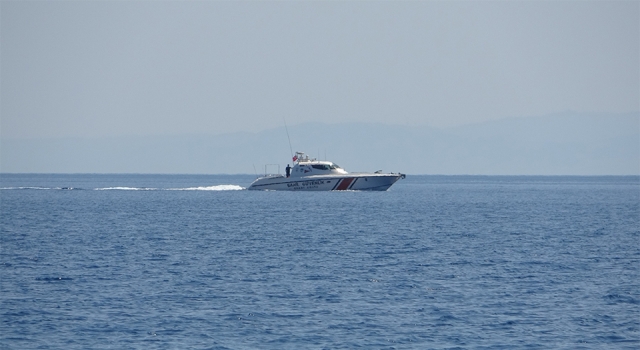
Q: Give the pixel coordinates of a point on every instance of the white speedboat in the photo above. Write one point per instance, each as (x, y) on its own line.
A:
(315, 175)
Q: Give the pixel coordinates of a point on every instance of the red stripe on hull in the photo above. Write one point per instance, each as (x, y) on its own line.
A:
(344, 184)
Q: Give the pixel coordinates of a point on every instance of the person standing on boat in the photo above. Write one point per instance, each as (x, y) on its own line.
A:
(288, 169)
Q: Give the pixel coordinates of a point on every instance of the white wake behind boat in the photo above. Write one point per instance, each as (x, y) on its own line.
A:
(315, 175)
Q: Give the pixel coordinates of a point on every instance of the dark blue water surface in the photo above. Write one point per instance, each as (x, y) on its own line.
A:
(188, 262)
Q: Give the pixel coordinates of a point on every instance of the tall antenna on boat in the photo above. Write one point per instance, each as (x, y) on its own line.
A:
(287, 129)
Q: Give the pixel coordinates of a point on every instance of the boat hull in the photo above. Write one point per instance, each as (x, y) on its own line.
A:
(353, 182)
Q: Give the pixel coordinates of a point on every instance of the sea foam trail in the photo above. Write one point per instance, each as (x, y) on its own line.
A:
(126, 188)
(201, 188)
(210, 188)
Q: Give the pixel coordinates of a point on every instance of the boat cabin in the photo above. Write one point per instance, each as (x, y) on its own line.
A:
(303, 166)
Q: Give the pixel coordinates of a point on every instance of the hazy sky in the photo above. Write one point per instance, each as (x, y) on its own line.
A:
(92, 69)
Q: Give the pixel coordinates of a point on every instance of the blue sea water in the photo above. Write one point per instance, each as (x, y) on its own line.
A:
(437, 262)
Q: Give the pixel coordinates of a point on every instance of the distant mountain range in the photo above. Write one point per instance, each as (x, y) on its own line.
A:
(561, 144)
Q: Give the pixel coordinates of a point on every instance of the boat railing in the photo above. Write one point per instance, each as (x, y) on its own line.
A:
(271, 167)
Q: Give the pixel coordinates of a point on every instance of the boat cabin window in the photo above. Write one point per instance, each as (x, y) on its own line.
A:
(335, 166)
(320, 166)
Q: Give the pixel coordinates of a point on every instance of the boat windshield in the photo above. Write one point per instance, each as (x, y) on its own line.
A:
(320, 166)
(330, 166)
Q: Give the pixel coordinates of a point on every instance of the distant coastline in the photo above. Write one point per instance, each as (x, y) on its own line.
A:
(556, 145)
